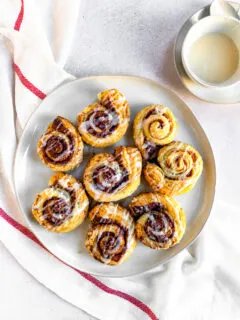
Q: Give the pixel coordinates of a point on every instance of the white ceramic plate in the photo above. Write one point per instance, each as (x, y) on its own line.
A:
(31, 176)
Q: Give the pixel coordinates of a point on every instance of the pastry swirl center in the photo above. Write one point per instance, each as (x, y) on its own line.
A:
(159, 227)
(109, 178)
(102, 123)
(111, 240)
(56, 211)
(110, 244)
(59, 144)
(177, 164)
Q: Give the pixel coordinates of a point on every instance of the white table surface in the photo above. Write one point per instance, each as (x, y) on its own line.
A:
(125, 37)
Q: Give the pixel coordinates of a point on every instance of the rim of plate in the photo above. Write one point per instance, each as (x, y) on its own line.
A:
(210, 204)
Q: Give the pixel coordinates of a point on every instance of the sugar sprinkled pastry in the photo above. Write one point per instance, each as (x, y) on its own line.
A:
(154, 126)
(160, 221)
(111, 236)
(104, 123)
(61, 147)
(110, 177)
(179, 167)
(63, 205)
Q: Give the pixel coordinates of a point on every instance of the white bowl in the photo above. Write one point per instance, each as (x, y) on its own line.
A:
(212, 24)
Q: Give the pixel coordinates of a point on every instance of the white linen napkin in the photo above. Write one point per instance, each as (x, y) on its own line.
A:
(35, 40)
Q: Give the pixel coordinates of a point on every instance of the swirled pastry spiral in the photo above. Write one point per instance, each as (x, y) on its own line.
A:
(180, 166)
(61, 147)
(161, 221)
(104, 123)
(110, 177)
(63, 205)
(111, 236)
(154, 126)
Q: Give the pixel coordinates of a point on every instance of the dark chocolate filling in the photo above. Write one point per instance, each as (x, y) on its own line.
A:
(150, 150)
(107, 174)
(157, 222)
(108, 241)
(56, 150)
(138, 211)
(56, 211)
(150, 113)
(102, 122)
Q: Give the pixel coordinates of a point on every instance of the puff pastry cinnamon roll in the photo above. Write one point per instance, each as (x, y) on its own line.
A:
(61, 147)
(180, 166)
(111, 236)
(161, 221)
(63, 205)
(154, 126)
(104, 123)
(110, 177)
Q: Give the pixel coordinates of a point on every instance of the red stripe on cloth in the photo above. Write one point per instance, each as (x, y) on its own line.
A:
(139, 304)
(19, 227)
(120, 294)
(19, 20)
(28, 84)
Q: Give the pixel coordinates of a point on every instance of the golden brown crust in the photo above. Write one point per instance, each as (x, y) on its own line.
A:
(104, 123)
(111, 236)
(63, 205)
(153, 126)
(180, 166)
(161, 222)
(110, 177)
(61, 147)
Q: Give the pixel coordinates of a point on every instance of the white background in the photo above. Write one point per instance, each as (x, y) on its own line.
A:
(127, 37)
